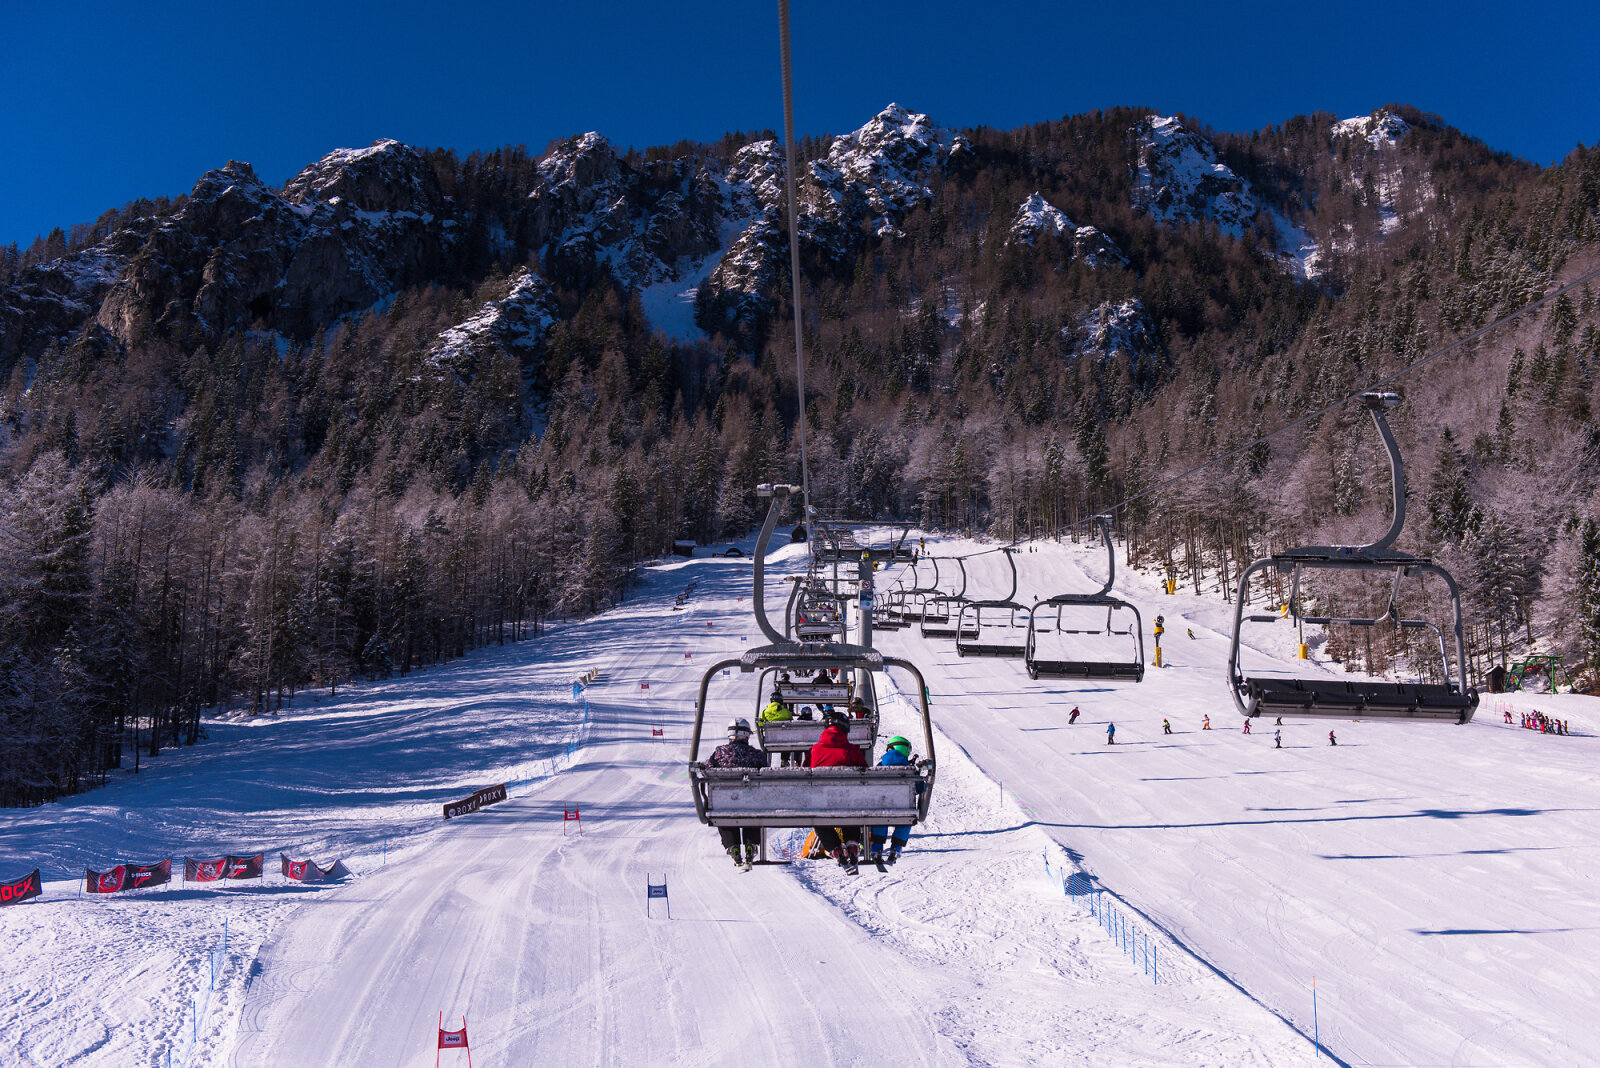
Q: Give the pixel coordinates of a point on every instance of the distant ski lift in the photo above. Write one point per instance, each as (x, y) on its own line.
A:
(1326, 697)
(1078, 650)
(1004, 634)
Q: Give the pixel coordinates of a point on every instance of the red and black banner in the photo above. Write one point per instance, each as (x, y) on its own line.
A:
(228, 867)
(306, 871)
(486, 796)
(128, 877)
(21, 889)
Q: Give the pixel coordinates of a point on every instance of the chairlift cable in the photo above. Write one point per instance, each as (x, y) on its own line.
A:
(794, 271)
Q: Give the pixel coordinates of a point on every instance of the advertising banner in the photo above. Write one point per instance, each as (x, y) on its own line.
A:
(305, 871)
(21, 889)
(486, 796)
(228, 867)
(128, 877)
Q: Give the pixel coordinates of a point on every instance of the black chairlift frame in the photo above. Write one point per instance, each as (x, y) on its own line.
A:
(809, 797)
(970, 642)
(1361, 699)
(936, 623)
(1101, 598)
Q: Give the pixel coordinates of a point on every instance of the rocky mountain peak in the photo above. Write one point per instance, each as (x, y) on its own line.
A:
(385, 176)
(881, 170)
(1178, 179)
(1382, 129)
(1038, 216)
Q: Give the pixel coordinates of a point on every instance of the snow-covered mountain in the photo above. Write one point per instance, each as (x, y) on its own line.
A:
(1178, 179)
(1038, 216)
(515, 324)
(1116, 329)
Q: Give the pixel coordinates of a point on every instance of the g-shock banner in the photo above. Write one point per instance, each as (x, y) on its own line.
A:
(228, 867)
(305, 871)
(21, 889)
(127, 877)
(486, 796)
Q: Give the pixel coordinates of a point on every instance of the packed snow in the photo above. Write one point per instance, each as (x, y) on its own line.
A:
(1435, 880)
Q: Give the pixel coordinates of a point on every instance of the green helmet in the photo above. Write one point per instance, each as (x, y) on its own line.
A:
(898, 742)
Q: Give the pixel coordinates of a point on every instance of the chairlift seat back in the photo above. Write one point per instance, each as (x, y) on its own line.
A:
(810, 797)
(1356, 699)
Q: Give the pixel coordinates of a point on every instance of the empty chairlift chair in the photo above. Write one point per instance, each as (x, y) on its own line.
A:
(1075, 649)
(941, 612)
(1271, 695)
(1004, 632)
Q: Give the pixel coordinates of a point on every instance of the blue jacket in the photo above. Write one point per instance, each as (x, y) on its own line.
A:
(893, 758)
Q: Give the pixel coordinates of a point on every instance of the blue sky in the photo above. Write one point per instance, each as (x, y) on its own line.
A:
(106, 102)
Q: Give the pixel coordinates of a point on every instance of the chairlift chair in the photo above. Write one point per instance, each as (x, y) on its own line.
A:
(808, 797)
(937, 609)
(1120, 651)
(1325, 697)
(799, 735)
(1005, 639)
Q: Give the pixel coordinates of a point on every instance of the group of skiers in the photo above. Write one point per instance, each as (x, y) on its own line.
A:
(1538, 721)
(1205, 725)
(833, 749)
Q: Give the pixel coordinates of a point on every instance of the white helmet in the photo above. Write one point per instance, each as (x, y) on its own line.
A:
(737, 726)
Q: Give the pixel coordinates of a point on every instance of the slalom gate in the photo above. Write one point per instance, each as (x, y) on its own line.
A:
(1114, 921)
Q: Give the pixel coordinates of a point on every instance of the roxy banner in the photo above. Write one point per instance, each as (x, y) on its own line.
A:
(228, 867)
(486, 796)
(128, 877)
(305, 871)
(21, 890)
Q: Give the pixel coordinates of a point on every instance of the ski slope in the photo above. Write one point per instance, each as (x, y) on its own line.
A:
(1432, 878)
(1438, 881)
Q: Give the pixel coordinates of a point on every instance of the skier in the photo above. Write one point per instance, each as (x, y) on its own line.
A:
(1331, 739)
(1277, 739)
(1189, 631)
(1074, 717)
(1166, 727)
(1111, 734)
(1247, 726)
(897, 755)
(775, 710)
(739, 753)
(858, 708)
(835, 750)
(1205, 723)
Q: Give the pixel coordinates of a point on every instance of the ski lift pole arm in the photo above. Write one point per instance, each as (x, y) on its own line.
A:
(779, 494)
(1461, 642)
(927, 730)
(1235, 680)
(1376, 403)
(1104, 523)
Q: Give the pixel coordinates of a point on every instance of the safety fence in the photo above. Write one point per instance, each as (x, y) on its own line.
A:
(1114, 921)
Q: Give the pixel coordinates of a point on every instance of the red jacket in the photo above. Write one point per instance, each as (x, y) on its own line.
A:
(835, 750)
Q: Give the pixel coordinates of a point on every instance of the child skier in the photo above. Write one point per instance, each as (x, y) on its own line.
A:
(1166, 727)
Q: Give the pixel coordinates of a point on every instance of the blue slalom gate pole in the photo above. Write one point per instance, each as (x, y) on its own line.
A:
(1316, 1037)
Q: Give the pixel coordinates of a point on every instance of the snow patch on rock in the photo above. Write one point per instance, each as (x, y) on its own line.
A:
(1178, 179)
(1382, 129)
(518, 323)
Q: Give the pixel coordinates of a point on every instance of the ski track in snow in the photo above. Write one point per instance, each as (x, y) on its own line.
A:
(1436, 880)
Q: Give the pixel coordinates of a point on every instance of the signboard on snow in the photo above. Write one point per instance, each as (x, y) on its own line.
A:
(22, 889)
(486, 796)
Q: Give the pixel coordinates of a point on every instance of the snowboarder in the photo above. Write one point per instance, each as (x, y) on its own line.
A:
(1331, 739)
(1166, 727)
(897, 755)
(1074, 717)
(1205, 723)
(1277, 739)
(835, 750)
(1111, 734)
(739, 753)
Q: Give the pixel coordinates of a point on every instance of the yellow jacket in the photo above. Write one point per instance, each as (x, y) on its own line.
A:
(775, 710)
